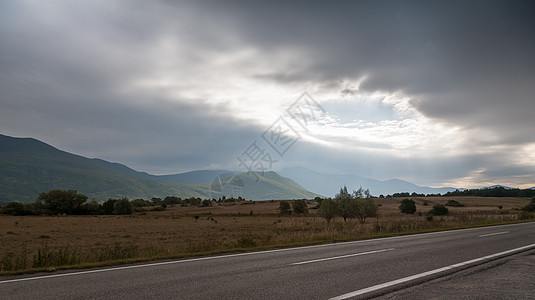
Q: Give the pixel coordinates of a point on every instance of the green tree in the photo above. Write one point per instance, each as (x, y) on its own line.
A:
(328, 209)
(140, 203)
(122, 207)
(362, 193)
(366, 209)
(107, 207)
(156, 201)
(92, 207)
(346, 204)
(300, 207)
(172, 200)
(62, 201)
(285, 208)
(407, 206)
(13, 208)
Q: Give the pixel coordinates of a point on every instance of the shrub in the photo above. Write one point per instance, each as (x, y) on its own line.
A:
(530, 207)
(122, 207)
(13, 208)
(328, 209)
(107, 207)
(299, 207)
(407, 206)
(62, 202)
(285, 208)
(438, 210)
(140, 203)
(454, 203)
(367, 208)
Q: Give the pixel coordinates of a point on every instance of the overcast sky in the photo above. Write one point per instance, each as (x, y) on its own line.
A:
(439, 93)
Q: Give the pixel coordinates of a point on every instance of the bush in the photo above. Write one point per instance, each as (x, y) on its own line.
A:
(122, 207)
(367, 208)
(107, 207)
(92, 207)
(285, 208)
(13, 208)
(141, 203)
(300, 207)
(454, 203)
(328, 209)
(62, 202)
(407, 206)
(439, 210)
(530, 207)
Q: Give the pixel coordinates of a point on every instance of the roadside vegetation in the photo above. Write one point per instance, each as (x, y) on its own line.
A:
(51, 234)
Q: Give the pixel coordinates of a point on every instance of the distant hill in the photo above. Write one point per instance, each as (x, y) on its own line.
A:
(497, 186)
(193, 177)
(29, 167)
(330, 184)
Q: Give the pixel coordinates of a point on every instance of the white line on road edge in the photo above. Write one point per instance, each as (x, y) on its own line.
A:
(253, 253)
(406, 279)
(342, 256)
(491, 234)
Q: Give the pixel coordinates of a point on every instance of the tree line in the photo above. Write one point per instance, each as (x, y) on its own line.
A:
(494, 192)
(70, 202)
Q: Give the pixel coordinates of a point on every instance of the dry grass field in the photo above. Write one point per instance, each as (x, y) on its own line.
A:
(49, 242)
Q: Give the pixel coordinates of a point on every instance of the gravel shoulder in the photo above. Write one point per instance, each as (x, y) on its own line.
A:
(507, 278)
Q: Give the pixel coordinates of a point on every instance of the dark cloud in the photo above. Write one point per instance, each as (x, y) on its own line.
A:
(72, 74)
(469, 63)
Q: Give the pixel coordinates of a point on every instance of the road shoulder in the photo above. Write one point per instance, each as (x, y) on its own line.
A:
(511, 277)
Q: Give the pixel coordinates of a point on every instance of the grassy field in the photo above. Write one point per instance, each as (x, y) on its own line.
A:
(52, 242)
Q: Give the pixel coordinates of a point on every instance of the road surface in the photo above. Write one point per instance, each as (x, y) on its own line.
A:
(339, 271)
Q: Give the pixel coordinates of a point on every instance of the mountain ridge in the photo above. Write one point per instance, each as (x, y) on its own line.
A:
(330, 184)
(29, 166)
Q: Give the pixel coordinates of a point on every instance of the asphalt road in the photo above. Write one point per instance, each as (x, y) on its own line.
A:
(507, 278)
(362, 269)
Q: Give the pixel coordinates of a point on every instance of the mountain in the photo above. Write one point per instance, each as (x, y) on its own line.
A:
(497, 186)
(193, 177)
(29, 167)
(330, 184)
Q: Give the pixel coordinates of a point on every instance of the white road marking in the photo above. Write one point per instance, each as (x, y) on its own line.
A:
(495, 233)
(251, 253)
(424, 274)
(342, 256)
